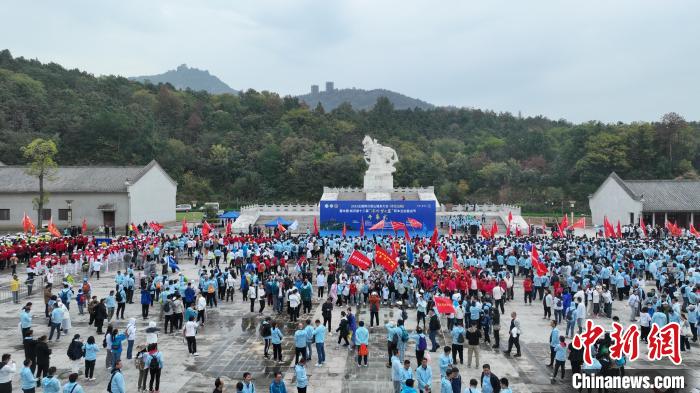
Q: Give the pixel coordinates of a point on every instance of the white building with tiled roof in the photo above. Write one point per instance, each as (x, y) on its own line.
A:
(104, 195)
(656, 201)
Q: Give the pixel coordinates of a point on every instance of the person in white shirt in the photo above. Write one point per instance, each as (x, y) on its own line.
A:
(321, 284)
(580, 314)
(7, 372)
(498, 297)
(201, 308)
(190, 333)
(633, 302)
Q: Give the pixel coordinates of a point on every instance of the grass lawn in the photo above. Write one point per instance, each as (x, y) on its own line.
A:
(191, 216)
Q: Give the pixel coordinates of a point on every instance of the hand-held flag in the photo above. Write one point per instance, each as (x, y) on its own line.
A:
(315, 227)
(183, 230)
(415, 224)
(383, 258)
(360, 260)
(377, 226)
(444, 305)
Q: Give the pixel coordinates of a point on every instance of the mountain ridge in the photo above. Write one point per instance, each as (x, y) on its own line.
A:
(184, 77)
(361, 99)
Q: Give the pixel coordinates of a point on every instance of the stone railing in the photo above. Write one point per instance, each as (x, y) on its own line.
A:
(486, 208)
(280, 208)
(401, 190)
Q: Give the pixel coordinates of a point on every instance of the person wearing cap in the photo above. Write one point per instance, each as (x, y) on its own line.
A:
(14, 288)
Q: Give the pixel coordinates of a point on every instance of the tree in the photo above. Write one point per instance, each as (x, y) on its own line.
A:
(671, 124)
(40, 153)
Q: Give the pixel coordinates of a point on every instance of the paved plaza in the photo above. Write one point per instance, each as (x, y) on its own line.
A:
(229, 345)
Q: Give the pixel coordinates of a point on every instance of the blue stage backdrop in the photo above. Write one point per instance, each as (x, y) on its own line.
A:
(351, 213)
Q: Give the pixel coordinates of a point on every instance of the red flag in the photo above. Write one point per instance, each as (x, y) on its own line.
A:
(345, 229)
(52, 229)
(206, 229)
(510, 217)
(455, 264)
(565, 222)
(641, 224)
(135, 229)
(619, 230)
(26, 223)
(694, 231)
(84, 227)
(229, 227)
(449, 231)
(395, 248)
(517, 231)
(415, 224)
(155, 226)
(484, 233)
(396, 226)
(315, 227)
(377, 226)
(443, 254)
(434, 238)
(609, 230)
(183, 230)
(362, 227)
(508, 229)
(383, 258)
(281, 228)
(540, 267)
(580, 223)
(407, 236)
(494, 229)
(444, 305)
(360, 260)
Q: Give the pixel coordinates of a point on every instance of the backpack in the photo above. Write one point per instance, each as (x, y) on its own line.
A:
(422, 343)
(119, 297)
(210, 288)
(265, 330)
(86, 288)
(460, 338)
(404, 335)
(154, 363)
(75, 351)
(395, 339)
(109, 385)
(64, 297)
(559, 303)
(570, 314)
(138, 362)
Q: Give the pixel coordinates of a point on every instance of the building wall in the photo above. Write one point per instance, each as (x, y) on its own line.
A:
(612, 201)
(83, 205)
(153, 197)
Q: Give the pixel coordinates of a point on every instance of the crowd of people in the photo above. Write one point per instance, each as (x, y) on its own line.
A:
(283, 277)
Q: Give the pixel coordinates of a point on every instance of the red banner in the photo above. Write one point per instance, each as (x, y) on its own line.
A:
(360, 260)
(444, 305)
(383, 258)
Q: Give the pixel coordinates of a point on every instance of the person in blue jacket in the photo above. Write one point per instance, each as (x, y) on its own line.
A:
(276, 336)
(50, 383)
(116, 381)
(27, 381)
(72, 386)
(117, 339)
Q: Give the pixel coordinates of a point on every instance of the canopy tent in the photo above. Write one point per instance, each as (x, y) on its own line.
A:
(278, 220)
(230, 215)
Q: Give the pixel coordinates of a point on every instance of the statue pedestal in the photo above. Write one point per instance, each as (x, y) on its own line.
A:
(378, 182)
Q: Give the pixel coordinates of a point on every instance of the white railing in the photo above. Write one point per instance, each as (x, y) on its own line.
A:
(485, 208)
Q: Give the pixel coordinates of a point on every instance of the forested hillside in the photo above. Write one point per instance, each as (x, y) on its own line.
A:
(258, 146)
(361, 99)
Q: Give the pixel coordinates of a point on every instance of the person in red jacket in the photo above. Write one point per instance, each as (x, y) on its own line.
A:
(527, 286)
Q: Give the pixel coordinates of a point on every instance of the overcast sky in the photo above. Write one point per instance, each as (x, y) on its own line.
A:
(579, 60)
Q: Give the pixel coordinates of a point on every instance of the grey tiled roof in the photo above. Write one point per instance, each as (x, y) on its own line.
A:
(663, 195)
(14, 179)
(667, 195)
